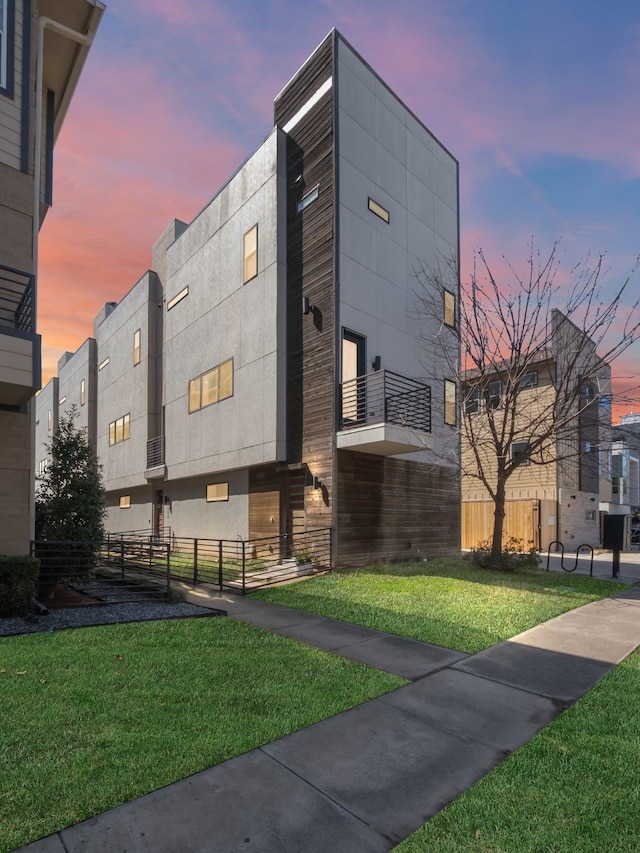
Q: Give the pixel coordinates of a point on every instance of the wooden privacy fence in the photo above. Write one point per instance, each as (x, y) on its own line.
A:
(532, 520)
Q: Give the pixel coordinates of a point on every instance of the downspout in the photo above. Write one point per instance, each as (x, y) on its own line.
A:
(81, 39)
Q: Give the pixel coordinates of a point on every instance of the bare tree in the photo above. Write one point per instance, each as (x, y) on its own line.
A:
(514, 331)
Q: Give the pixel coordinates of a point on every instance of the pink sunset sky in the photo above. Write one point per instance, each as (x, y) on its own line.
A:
(537, 100)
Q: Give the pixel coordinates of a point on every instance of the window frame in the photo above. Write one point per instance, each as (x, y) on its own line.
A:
(7, 48)
(492, 399)
(525, 382)
(120, 430)
(249, 258)
(49, 420)
(378, 210)
(182, 294)
(136, 347)
(83, 392)
(521, 442)
(104, 363)
(216, 498)
(196, 386)
(124, 502)
(449, 310)
(449, 405)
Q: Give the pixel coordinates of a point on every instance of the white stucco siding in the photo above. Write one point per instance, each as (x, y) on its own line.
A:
(385, 154)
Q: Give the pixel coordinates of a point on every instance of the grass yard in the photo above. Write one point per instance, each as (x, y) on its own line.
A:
(93, 717)
(445, 601)
(574, 788)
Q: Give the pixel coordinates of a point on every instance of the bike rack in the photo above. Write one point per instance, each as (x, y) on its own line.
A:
(578, 549)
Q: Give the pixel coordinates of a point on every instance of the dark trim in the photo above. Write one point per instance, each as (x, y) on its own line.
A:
(24, 100)
(337, 318)
(37, 362)
(48, 149)
(17, 410)
(7, 90)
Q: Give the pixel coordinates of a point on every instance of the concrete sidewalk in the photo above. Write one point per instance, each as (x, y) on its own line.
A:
(367, 778)
(602, 564)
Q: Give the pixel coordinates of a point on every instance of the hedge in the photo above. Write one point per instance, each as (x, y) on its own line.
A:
(18, 579)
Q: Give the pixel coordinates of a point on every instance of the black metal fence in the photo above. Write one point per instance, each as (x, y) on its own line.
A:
(243, 565)
(385, 397)
(16, 299)
(83, 573)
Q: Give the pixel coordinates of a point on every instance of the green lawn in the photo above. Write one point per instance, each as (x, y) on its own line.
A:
(574, 788)
(93, 717)
(445, 601)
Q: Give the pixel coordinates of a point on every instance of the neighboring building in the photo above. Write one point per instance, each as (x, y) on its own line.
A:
(625, 471)
(266, 377)
(566, 488)
(43, 47)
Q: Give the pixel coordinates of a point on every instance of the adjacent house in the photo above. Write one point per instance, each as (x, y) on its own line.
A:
(268, 375)
(564, 489)
(43, 47)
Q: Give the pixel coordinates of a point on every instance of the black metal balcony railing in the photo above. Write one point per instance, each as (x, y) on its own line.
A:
(385, 397)
(16, 299)
(155, 452)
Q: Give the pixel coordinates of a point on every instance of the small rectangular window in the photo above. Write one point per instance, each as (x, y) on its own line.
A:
(63, 400)
(520, 450)
(177, 298)
(209, 387)
(494, 394)
(450, 402)
(49, 419)
(194, 394)
(136, 347)
(83, 395)
(250, 254)
(529, 380)
(308, 199)
(449, 308)
(112, 433)
(226, 379)
(379, 210)
(104, 363)
(125, 501)
(472, 401)
(217, 492)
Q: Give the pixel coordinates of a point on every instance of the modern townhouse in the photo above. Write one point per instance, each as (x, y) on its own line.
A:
(43, 47)
(270, 374)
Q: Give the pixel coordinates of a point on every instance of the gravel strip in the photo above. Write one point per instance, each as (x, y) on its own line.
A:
(102, 614)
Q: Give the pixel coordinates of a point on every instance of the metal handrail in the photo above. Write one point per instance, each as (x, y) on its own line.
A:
(155, 452)
(385, 397)
(16, 299)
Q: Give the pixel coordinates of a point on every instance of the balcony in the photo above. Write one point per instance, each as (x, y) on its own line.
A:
(19, 343)
(384, 413)
(155, 458)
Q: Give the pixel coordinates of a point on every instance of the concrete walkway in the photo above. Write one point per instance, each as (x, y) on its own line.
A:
(363, 780)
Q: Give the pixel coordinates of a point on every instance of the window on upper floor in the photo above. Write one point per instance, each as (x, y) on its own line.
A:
(518, 450)
(49, 419)
(479, 399)
(250, 254)
(379, 210)
(529, 380)
(125, 502)
(6, 47)
(308, 199)
(450, 400)
(62, 400)
(178, 298)
(83, 392)
(449, 308)
(136, 346)
(211, 386)
(104, 363)
(119, 430)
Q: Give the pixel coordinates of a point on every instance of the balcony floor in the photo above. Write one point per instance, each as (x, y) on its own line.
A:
(383, 439)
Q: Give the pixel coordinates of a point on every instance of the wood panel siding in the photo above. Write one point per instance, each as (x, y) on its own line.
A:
(264, 503)
(390, 509)
(311, 273)
(532, 521)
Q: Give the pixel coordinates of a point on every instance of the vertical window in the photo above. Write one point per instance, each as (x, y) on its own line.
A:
(49, 419)
(136, 346)
(209, 387)
(119, 430)
(250, 254)
(194, 394)
(6, 47)
(520, 450)
(83, 395)
(226, 379)
(449, 308)
(353, 366)
(450, 402)
(494, 394)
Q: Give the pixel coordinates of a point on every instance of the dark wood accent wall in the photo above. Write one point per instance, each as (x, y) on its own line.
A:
(310, 273)
(392, 509)
(264, 503)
